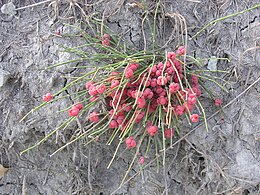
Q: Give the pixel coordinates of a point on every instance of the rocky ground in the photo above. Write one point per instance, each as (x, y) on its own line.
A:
(224, 160)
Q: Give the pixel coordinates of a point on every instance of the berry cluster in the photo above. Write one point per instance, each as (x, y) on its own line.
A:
(48, 97)
(74, 111)
(136, 93)
(106, 40)
(160, 85)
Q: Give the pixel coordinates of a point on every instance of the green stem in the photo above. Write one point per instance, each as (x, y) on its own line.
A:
(65, 124)
(223, 18)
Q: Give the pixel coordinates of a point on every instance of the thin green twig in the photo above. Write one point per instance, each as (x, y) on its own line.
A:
(223, 18)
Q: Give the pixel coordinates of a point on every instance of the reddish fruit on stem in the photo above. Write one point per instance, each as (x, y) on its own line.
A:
(218, 102)
(113, 124)
(74, 111)
(171, 55)
(79, 106)
(181, 50)
(161, 80)
(133, 66)
(169, 133)
(141, 160)
(129, 73)
(194, 118)
(94, 116)
(152, 130)
(162, 100)
(130, 142)
(92, 90)
(105, 42)
(174, 87)
(140, 102)
(114, 83)
(106, 36)
(101, 89)
(192, 99)
(179, 110)
(48, 97)
(89, 84)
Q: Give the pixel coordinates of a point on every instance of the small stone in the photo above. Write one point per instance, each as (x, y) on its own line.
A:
(8, 8)
(4, 76)
(212, 64)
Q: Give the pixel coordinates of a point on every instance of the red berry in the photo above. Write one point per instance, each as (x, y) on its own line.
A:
(94, 116)
(158, 73)
(48, 97)
(163, 93)
(129, 73)
(196, 90)
(114, 83)
(113, 124)
(159, 90)
(192, 99)
(161, 80)
(140, 102)
(120, 119)
(150, 96)
(89, 84)
(147, 91)
(140, 115)
(174, 87)
(141, 160)
(134, 94)
(130, 142)
(170, 70)
(160, 66)
(169, 133)
(152, 130)
(113, 76)
(111, 113)
(194, 118)
(153, 82)
(105, 42)
(133, 67)
(74, 111)
(179, 110)
(106, 36)
(101, 89)
(218, 102)
(187, 106)
(194, 80)
(79, 106)
(127, 107)
(162, 100)
(171, 55)
(181, 50)
(92, 90)
(154, 69)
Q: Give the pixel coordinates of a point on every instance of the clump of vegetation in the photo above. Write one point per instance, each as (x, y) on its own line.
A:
(141, 98)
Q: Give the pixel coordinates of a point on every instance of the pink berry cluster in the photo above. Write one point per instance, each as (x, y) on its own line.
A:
(135, 93)
(74, 110)
(160, 85)
(106, 40)
(48, 97)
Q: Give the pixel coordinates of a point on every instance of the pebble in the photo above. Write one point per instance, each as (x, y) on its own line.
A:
(8, 8)
(212, 64)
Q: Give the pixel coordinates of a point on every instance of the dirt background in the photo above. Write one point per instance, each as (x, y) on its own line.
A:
(224, 160)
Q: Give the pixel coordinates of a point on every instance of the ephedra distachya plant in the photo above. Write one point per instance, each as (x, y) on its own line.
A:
(135, 97)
